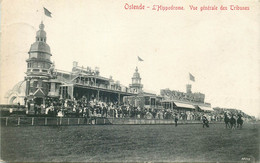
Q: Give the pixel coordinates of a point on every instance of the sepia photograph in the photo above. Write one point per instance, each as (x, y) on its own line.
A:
(130, 81)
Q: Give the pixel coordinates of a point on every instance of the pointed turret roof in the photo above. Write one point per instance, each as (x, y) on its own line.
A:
(40, 44)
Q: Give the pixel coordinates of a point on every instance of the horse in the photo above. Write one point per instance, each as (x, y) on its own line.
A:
(227, 120)
(205, 121)
(239, 122)
(233, 122)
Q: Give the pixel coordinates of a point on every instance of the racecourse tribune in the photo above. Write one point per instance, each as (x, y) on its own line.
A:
(129, 143)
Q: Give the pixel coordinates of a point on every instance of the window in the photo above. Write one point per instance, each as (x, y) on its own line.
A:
(39, 83)
(35, 83)
(147, 101)
(31, 83)
(35, 64)
(40, 65)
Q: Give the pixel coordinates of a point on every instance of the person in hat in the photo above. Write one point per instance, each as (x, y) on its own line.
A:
(176, 120)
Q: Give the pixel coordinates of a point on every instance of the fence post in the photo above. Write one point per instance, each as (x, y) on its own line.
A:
(45, 121)
(60, 120)
(6, 121)
(68, 121)
(57, 121)
(32, 121)
(78, 121)
(18, 121)
(104, 121)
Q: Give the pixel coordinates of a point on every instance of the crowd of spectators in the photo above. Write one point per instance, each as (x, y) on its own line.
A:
(95, 108)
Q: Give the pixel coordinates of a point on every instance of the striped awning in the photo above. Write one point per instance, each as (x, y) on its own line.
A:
(183, 105)
(206, 108)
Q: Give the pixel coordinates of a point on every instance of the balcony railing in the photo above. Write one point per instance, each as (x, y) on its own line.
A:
(103, 86)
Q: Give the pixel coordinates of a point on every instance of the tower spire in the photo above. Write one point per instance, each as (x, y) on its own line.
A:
(136, 81)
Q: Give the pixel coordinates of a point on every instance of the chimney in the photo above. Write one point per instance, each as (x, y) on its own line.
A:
(188, 88)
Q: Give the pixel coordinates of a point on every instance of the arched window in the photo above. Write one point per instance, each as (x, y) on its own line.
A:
(35, 64)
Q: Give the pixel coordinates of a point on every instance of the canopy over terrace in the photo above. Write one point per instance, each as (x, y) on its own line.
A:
(178, 105)
(205, 108)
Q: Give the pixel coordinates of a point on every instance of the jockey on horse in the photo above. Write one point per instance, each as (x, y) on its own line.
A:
(205, 121)
(239, 121)
(233, 122)
(226, 120)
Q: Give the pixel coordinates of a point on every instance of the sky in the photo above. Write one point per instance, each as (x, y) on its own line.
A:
(220, 48)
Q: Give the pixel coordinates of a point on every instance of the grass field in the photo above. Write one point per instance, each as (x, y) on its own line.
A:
(129, 143)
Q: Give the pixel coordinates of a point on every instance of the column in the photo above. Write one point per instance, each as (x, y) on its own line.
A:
(61, 92)
(119, 101)
(72, 93)
(97, 95)
(27, 87)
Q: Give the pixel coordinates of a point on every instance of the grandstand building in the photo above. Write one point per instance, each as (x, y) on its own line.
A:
(43, 81)
(184, 100)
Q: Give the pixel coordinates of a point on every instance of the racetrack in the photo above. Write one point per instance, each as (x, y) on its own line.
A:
(129, 143)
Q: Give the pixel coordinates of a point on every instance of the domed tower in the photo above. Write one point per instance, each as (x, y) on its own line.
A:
(39, 68)
(136, 82)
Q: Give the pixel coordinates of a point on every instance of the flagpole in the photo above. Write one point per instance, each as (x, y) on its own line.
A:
(137, 62)
(188, 78)
(43, 15)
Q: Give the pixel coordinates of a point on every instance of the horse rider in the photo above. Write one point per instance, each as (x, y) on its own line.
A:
(205, 121)
(226, 120)
(232, 122)
(239, 121)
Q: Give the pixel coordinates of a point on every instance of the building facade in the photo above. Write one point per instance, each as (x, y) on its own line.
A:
(44, 81)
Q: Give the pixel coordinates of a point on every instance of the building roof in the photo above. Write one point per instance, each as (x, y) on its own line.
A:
(39, 46)
(136, 74)
(19, 89)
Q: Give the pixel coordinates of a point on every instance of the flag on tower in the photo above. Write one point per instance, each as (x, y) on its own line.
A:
(47, 12)
(192, 78)
(140, 59)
